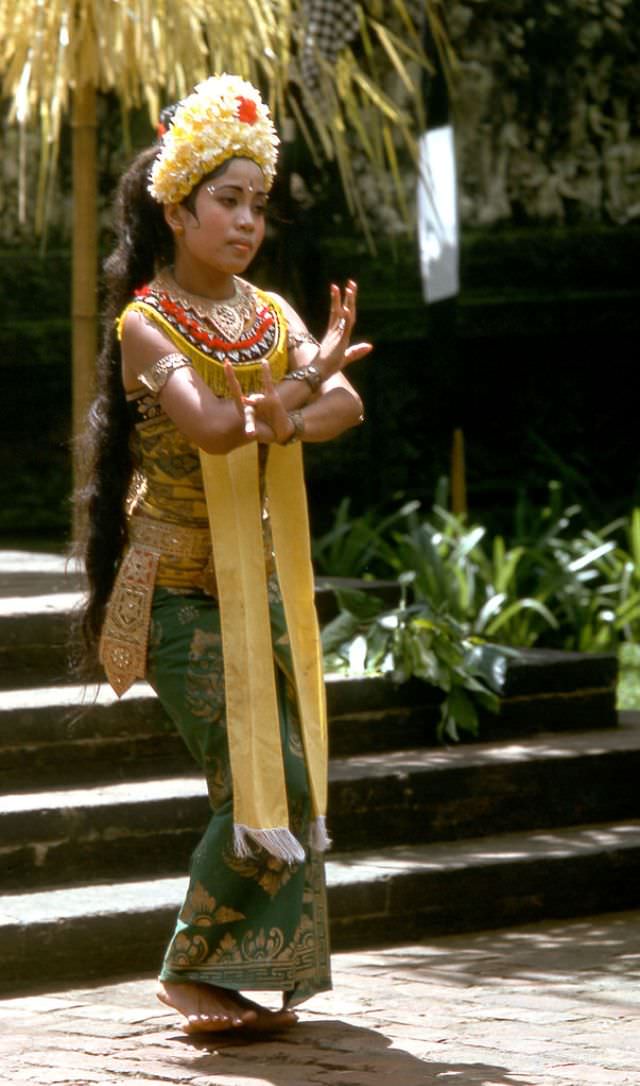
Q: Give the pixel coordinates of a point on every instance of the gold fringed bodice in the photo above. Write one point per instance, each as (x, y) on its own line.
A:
(246, 330)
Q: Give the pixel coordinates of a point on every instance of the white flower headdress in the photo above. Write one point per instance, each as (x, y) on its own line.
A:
(224, 117)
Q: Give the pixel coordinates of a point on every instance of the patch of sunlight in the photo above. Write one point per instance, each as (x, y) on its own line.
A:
(74, 695)
(33, 605)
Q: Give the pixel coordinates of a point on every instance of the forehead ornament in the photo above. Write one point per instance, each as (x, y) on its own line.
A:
(223, 118)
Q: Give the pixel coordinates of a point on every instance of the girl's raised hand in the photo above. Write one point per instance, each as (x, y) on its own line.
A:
(335, 351)
(244, 408)
(265, 406)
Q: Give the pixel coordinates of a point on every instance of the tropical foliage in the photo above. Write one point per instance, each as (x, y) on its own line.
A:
(468, 600)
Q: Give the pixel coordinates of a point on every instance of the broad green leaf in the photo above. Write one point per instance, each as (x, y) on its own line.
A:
(591, 556)
(515, 608)
(362, 605)
(488, 610)
(342, 628)
(462, 709)
(358, 655)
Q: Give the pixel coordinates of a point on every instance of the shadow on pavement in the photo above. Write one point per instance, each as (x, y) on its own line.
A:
(327, 1051)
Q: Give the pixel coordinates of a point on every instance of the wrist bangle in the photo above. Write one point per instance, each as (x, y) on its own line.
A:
(297, 419)
(311, 374)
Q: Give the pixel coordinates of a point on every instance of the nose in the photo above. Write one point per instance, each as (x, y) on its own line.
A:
(245, 218)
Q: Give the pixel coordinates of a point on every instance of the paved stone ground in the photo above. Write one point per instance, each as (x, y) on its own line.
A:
(548, 1004)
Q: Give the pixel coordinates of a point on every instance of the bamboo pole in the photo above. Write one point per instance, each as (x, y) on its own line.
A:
(84, 333)
(458, 475)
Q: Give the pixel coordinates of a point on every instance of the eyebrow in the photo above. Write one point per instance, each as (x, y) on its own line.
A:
(238, 188)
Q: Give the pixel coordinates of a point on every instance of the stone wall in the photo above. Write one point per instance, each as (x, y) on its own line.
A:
(547, 110)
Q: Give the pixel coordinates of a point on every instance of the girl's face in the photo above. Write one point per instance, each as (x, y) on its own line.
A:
(223, 229)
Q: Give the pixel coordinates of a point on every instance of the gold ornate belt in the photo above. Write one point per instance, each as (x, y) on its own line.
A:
(125, 633)
(172, 540)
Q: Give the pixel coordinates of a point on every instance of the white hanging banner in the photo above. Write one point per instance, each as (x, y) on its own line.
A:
(437, 203)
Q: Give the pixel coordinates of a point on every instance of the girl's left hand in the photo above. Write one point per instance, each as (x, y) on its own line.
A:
(265, 406)
(336, 352)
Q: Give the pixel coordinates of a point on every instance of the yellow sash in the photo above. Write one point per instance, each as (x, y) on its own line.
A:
(233, 501)
(232, 491)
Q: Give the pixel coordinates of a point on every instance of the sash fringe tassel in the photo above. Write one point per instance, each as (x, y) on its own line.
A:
(279, 842)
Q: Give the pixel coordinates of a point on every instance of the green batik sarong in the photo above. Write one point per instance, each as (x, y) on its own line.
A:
(252, 922)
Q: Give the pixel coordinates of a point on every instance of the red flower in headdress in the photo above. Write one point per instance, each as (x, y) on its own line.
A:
(247, 110)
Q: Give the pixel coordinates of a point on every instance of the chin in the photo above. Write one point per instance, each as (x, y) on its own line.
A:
(236, 263)
(241, 266)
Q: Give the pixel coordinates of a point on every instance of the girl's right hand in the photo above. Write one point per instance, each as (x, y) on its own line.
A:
(260, 408)
(335, 352)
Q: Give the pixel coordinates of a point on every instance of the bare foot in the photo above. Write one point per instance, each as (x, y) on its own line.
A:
(265, 1019)
(204, 1008)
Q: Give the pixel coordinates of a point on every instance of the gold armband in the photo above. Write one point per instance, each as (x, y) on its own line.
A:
(158, 373)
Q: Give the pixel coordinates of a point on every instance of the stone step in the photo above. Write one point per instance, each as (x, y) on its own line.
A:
(40, 593)
(32, 573)
(540, 688)
(394, 894)
(71, 735)
(34, 638)
(413, 796)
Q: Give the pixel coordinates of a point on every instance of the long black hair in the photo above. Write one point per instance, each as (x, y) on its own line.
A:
(144, 242)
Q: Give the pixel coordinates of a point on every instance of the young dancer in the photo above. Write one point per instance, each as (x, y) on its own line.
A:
(197, 550)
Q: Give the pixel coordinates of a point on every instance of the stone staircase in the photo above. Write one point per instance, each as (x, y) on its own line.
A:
(100, 806)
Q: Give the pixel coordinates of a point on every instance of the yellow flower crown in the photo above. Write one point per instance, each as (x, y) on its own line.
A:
(223, 118)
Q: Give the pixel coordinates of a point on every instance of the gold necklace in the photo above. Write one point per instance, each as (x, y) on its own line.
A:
(229, 316)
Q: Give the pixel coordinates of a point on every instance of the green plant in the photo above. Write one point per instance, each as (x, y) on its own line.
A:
(589, 579)
(467, 601)
(352, 546)
(475, 585)
(416, 640)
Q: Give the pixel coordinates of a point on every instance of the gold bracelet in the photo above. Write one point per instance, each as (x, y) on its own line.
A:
(311, 374)
(297, 419)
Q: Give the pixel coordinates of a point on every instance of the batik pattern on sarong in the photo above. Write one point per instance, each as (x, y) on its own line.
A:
(251, 922)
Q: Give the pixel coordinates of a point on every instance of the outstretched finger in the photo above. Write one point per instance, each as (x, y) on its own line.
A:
(347, 315)
(246, 410)
(351, 300)
(267, 380)
(233, 384)
(335, 303)
(357, 351)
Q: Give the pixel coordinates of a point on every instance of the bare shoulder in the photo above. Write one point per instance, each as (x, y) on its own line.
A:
(143, 342)
(137, 329)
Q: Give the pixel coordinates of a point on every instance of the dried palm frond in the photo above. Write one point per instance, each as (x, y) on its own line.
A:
(153, 51)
